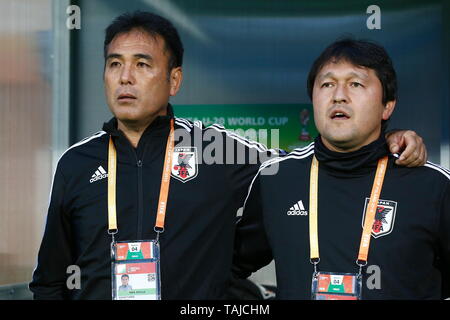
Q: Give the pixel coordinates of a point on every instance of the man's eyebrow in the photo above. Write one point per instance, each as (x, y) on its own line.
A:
(359, 75)
(326, 75)
(113, 56)
(137, 55)
(143, 56)
(351, 74)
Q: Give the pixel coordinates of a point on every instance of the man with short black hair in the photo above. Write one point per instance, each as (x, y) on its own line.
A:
(362, 227)
(125, 286)
(146, 143)
(146, 177)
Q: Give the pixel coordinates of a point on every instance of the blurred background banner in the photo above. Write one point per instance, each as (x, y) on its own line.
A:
(245, 65)
(294, 122)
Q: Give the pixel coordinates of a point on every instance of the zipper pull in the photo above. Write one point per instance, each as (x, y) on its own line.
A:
(139, 163)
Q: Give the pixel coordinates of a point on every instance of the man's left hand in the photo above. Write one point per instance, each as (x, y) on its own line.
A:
(409, 145)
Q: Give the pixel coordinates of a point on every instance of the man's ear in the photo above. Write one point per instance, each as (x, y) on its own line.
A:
(388, 109)
(176, 77)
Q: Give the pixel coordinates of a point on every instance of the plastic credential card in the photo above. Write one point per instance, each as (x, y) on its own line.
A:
(336, 286)
(136, 270)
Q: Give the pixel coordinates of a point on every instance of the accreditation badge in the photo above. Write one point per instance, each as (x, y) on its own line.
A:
(136, 270)
(336, 286)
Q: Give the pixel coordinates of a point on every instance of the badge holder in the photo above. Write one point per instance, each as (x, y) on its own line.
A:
(336, 286)
(136, 270)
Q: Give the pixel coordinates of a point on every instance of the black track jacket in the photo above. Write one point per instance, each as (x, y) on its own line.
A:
(411, 235)
(196, 246)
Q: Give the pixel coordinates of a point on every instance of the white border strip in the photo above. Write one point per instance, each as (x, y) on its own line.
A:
(306, 154)
(185, 121)
(436, 167)
(182, 124)
(247, 142)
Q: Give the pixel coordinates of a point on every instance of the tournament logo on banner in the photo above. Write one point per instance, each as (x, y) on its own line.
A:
(294, 123)
(384, 217)
(184, 163)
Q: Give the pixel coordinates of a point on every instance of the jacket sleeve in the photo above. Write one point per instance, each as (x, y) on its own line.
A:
(444, 242)
(49, 277)
(247, 162)
(251, 246)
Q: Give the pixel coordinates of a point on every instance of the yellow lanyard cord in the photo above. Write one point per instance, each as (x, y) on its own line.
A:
(372, 208)
(112, 169)
(370, 213)
(165, 182)
(313, 199)
(164, 189)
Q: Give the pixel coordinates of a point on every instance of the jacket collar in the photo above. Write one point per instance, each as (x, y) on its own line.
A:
(155, 135)
(159, 126)
(359, 161)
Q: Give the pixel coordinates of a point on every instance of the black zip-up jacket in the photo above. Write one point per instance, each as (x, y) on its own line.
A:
(411, 235)
(196, 246)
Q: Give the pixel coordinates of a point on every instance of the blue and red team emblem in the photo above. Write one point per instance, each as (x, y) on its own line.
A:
(184, 163)
(384, 217)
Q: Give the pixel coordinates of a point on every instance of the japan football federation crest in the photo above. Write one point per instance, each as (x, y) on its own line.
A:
(384, 217)
(184, 163)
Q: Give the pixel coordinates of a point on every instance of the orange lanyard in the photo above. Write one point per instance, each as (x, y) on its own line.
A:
(164, 189)
(370, 213)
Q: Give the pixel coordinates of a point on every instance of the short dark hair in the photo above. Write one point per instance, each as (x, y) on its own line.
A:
(154, 25)
(125, 276)
(359, 53)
